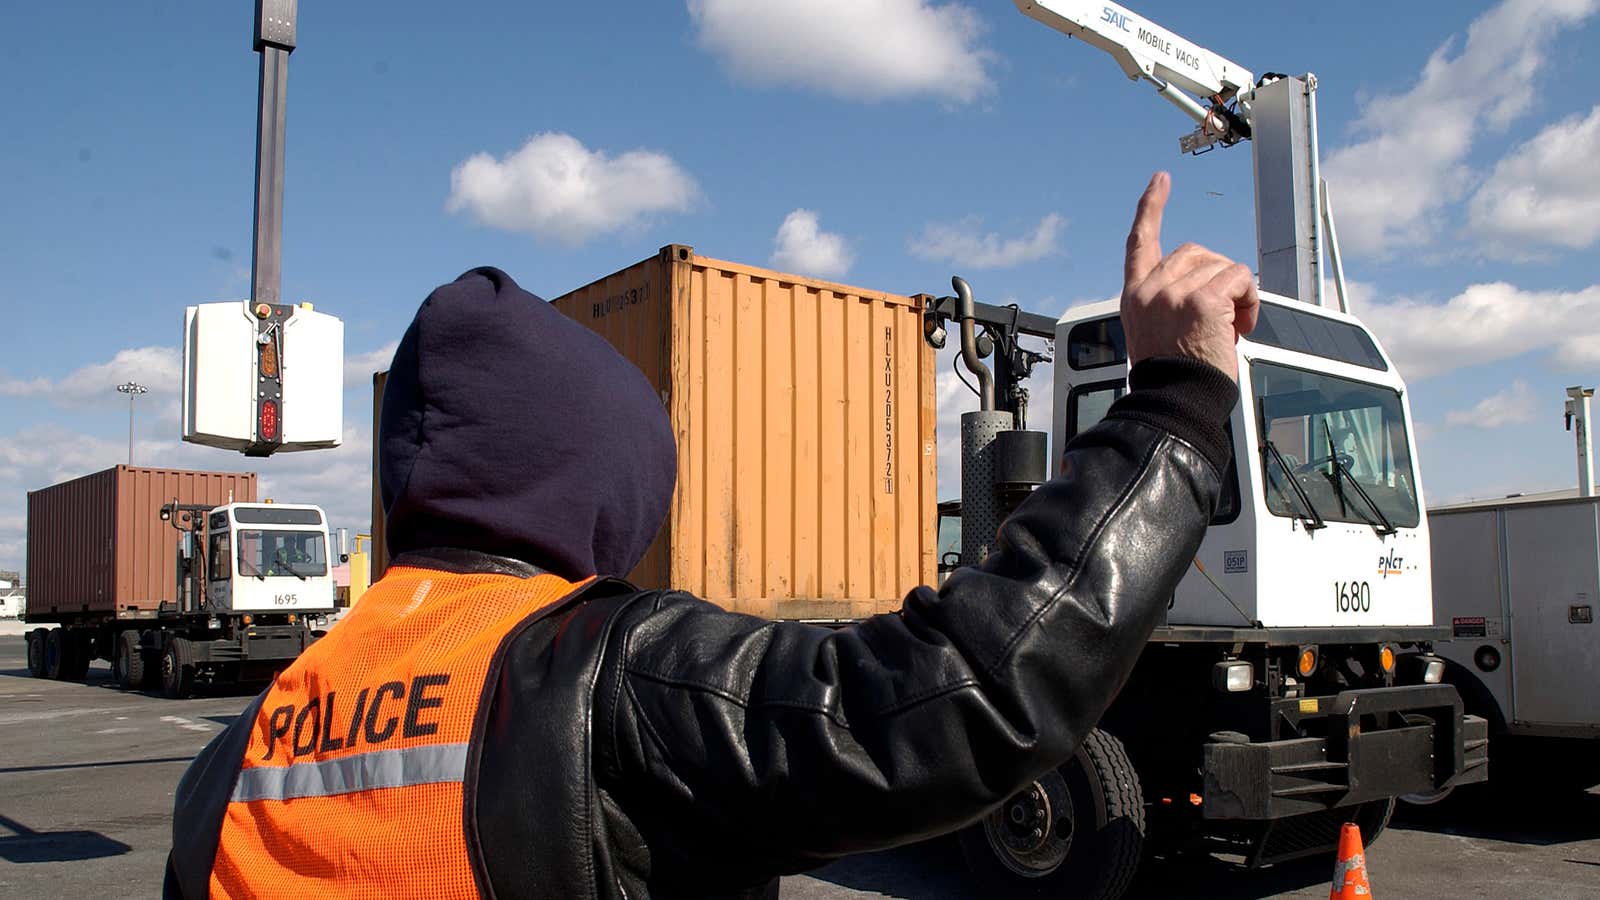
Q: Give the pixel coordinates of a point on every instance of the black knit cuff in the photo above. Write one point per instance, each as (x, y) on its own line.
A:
(1185, 397)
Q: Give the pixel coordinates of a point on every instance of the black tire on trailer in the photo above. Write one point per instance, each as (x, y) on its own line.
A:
(1076, 832)
(177, 669)
(36, 639)
(55, 654)
(127, 661)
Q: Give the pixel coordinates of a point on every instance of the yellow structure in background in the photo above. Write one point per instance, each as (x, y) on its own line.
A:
(360, 569)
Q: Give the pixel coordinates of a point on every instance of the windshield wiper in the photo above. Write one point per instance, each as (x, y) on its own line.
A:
(1382, 526)
(1312, 519)
(257, 573)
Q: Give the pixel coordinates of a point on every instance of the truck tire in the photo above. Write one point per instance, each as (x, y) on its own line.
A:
(177, 669)
(36, 639)
(1076, 832)
(127, 661)
(1373, 819)
(55, 654)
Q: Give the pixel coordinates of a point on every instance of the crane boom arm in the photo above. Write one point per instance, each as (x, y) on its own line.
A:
(1141, 47)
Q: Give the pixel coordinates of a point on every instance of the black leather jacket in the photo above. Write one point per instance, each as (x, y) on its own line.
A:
(651, 744)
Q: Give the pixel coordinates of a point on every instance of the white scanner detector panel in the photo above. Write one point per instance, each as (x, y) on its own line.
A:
(219, 375)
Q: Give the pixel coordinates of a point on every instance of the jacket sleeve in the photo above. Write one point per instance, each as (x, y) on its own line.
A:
(778, 746)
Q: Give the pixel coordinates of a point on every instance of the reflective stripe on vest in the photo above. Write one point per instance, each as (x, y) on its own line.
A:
(362, 772)
(352, 784)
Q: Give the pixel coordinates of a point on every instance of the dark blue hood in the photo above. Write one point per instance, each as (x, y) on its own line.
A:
(510, 429)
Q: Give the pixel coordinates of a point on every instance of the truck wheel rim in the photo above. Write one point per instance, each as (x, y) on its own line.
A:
(1031, 834)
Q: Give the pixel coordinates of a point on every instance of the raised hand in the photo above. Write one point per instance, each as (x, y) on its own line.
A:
(1192, 302)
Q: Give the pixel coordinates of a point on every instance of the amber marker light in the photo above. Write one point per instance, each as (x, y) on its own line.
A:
(1307, 662)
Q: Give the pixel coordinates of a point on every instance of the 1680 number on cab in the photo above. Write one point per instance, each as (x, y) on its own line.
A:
(1352, 596)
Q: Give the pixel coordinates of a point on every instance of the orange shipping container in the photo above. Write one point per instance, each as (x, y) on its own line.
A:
(804, 418)
(97, 545)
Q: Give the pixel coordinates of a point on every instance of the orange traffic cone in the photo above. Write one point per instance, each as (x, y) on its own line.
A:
(1350, 872)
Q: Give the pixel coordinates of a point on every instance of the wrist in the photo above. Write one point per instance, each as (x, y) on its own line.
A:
(1186, 397)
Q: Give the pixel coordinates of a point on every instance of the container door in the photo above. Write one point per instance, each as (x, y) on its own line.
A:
(1554, 578)
(1469, 596)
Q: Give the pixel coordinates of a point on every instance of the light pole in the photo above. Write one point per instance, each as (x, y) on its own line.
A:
(132, 389)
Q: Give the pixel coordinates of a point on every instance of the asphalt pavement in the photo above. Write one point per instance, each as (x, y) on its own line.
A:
(87, 774)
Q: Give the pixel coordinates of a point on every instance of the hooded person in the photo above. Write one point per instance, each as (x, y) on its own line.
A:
(503, 716)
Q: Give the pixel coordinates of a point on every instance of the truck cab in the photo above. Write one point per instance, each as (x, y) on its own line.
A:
(1321, 522)
(266, 558)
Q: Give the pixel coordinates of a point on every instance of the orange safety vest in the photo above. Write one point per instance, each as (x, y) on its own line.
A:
(352, 782)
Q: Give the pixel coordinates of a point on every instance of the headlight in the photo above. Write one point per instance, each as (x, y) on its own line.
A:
(1433, 671)
(1233, 676)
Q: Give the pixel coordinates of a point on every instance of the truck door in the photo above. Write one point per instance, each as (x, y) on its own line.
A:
(1554, 576)
(219, 567)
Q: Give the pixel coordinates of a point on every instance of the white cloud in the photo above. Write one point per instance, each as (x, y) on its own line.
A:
(1545, 191)
(157, 368)
(801, 246)
(856, 49)
(1512, 406)
(1391, 187)
(1485, 323)
(556, 188)
(962, 244)
(358, 368)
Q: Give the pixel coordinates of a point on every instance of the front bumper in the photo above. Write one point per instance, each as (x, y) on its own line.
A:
(1378, 743)
(257, 643)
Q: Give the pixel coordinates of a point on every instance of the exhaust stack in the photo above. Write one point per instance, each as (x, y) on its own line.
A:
(1578, 408)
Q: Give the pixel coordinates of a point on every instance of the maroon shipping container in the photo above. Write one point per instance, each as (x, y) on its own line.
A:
(97, 545)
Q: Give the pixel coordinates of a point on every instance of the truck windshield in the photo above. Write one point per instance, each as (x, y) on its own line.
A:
(298, 553)
(1321, 424)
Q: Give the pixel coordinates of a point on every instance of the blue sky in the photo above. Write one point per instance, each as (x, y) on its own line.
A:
(886, 144)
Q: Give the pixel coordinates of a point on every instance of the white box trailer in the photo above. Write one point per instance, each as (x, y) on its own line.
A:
(1517, 580)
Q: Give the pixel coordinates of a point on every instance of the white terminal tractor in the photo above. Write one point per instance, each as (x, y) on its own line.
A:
(1293, 686)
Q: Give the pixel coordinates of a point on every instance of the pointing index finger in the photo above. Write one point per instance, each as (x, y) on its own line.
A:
(1144, 240)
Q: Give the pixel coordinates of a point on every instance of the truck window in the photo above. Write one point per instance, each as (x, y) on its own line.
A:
(1305, 332)
(275, 553)
(1089, 403)
(219, 564)
(949, 536)
(1098, 343)
(1321, 424)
